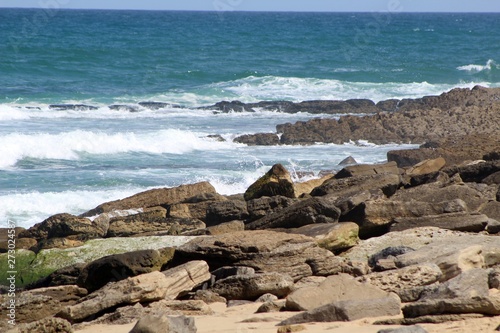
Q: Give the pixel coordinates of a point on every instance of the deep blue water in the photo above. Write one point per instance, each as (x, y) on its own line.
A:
(69, 161)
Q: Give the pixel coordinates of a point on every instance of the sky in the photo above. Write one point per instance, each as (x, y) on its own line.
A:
(270, 5)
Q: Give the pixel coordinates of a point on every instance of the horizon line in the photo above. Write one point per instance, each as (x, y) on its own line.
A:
(261, 11)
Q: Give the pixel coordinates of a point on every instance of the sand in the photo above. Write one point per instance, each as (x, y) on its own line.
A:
(243, 319)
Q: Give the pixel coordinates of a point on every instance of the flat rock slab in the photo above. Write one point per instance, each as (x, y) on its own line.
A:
(335, 288)
(349, 310)
(252, 286)
(489, 305)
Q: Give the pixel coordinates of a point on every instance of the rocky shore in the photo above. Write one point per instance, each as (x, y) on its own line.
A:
(410, 245)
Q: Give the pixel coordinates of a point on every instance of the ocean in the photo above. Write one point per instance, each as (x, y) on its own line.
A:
(55, 160)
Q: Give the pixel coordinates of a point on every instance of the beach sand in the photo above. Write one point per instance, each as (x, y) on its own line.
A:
(243, 319)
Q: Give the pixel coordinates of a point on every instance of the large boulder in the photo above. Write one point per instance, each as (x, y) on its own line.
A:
(277, 181)
(143, 288)
(194, 207)
(454, 221)
(155, 197)
(368, 170)
(335, 288)
(387, 183)
(263, 206)
(304, 212)
(263, 250)
(117, 267)
(259, 139)
(488, 305)
(225, 211)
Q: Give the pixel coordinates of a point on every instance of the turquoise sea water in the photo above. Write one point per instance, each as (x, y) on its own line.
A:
(55, 161)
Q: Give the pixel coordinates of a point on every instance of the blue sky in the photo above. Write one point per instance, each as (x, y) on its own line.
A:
(271, 5)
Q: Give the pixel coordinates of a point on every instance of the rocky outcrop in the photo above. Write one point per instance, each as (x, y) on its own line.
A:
(276, 181)
(148, 287)
(265, 251)
(152, 198)
(259, 139)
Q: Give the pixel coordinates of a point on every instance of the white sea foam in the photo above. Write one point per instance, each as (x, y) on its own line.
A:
(490, 64)
(68, 145)
(26, 209)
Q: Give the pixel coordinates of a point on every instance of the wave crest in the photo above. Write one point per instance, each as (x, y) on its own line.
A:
(490, 64)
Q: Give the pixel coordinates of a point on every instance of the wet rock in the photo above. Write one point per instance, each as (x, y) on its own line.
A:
(348, 161)
(259, 139)
(74, 107)
(156, 105)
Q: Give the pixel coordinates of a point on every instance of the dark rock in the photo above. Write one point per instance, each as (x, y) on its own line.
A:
(308, 211)
(61, 277)
(263, 206)
(389, 105)
(494, 178)
(74, 107)
(474, 172)
(117, 267)
(157, 105)
(277, 181)
(129, 108)
(388, 252)
(348, 161)
(259, 139)
(252, 286)
(227, 271)
(225, 211)
(216, 137)
(492, 156)
(234, 106)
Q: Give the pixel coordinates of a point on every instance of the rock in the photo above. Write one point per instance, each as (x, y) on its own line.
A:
(156, 105)
(291, 328)
(263, 206)
(432, 193)
(265, 251)
(152, 198)
(259, 139)
(309, 281)
(494, 279)
(276, 181)
(271, 306)
(151, 223)
(304, 212)
(267, 298)
(334, 289)
(469, 284)
(331, 236)
(75, 107)
(390, 252)
(349, 310)
(304, 188)
(368, 170)
(252, 286)
(474, 172)
(494, 178)
(155, 324)
(40, 303)
(64, 225)
(409, 329)
(430, 319)
(31, 267)
(21, 244)
(62, 277)
(117, 267)
(223, 228)
(209, 297)
(185, 307)
(227, 271)
(195, 207)
(45, 325)
(387, 183)
(456, 221)
(488, 305)
(491, 209)
(456, 254)
(426, 167)
(225, 211)
(399, 280)
(348, 161)
(58, 243)
(143, 288)
(121, 107)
